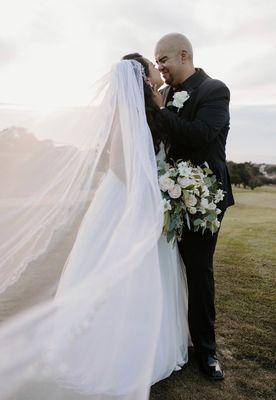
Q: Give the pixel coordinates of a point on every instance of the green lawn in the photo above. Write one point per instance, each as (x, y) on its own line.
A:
(245, 281)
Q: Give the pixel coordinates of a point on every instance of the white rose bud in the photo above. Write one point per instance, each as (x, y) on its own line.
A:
(192, 210)
(175, 192)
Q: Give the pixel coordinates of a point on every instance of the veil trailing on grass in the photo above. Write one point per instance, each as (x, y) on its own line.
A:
(85, 215)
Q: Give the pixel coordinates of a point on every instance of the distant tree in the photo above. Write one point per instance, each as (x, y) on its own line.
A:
(255, 181)
(270, 169)
(234, 173)
(247, 175)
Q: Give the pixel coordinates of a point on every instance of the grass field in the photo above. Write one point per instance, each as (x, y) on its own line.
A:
(245, 293)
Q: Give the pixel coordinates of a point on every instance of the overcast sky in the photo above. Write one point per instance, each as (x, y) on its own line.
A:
(52, 50)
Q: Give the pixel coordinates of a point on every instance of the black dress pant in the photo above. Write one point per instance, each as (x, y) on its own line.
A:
(197, 251)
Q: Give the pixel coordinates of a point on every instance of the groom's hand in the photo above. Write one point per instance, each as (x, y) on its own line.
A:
(157, 96)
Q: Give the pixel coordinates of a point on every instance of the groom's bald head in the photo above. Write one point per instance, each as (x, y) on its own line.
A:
(175, 42)
(174, 56)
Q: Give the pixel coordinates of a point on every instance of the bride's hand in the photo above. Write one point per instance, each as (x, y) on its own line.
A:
(157, 96)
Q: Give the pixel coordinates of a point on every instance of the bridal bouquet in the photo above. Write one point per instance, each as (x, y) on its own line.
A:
(190, 194)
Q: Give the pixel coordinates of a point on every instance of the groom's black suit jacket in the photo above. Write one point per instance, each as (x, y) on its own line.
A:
(199, 130)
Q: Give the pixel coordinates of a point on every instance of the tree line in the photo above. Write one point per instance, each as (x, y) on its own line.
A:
(249, 175)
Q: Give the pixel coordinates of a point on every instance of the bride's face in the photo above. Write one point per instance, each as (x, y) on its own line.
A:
(154, 75)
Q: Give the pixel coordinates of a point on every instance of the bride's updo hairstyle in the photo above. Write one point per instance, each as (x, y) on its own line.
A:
(154, 116)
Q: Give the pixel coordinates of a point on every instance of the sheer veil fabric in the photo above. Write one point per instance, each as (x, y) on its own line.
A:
(97, 197)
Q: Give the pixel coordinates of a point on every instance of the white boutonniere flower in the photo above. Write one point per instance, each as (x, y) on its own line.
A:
(179, 99)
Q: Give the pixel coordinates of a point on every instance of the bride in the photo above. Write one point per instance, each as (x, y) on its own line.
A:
(114, 321)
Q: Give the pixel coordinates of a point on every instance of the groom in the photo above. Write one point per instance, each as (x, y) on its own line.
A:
(198, 131)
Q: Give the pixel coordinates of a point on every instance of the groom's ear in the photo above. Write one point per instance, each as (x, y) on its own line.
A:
(184, 55)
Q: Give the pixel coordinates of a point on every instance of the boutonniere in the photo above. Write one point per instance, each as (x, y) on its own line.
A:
(179, 99)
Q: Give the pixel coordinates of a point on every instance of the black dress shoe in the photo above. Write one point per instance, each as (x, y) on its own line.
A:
(209, 365)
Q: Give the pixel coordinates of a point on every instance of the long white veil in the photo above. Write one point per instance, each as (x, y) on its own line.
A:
(79, 227)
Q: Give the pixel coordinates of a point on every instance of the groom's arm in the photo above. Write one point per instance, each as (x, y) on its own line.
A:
(211, 117)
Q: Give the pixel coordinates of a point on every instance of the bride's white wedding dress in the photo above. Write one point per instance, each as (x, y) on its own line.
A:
(172, 339)
(118, 320)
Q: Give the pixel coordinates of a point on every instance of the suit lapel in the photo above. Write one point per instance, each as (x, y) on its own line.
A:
(194, 81)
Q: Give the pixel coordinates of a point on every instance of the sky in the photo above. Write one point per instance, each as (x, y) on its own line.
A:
(51, 51)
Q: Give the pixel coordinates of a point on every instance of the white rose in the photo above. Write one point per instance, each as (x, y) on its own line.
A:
(167, 205)
(179, 98)
(175, 192)
(190, 201)
(165, 183)
(192, 210)
(184, 182)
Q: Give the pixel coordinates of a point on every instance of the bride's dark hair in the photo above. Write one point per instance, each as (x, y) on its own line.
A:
(154, 116)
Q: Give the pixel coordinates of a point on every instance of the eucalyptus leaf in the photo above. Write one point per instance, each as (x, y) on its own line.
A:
(207, 181)
(173, 223)
(198, 222)
(211, 217)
